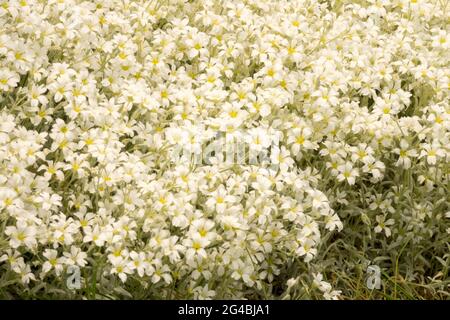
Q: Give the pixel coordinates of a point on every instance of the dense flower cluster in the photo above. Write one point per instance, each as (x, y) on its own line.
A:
(95, 96)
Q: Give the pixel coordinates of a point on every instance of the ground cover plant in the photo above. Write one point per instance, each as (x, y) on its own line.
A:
(206, 149)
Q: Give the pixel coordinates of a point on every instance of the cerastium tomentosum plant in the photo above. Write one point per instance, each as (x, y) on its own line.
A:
(224, 149)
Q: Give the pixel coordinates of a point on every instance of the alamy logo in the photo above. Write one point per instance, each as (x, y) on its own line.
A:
(374, 277)
(253, 147)
(73, 280)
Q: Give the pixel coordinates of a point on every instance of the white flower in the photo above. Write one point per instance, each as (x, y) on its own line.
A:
(347, 173)
(432, 152)
(383, 225)
(196, 246)
(219, 199)
(37, 96)
(120, 266)
(75, 257)
(405, 154)
(204, 293)
(53, 262)
(8, 79)
(306, 249)
(49, 201)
